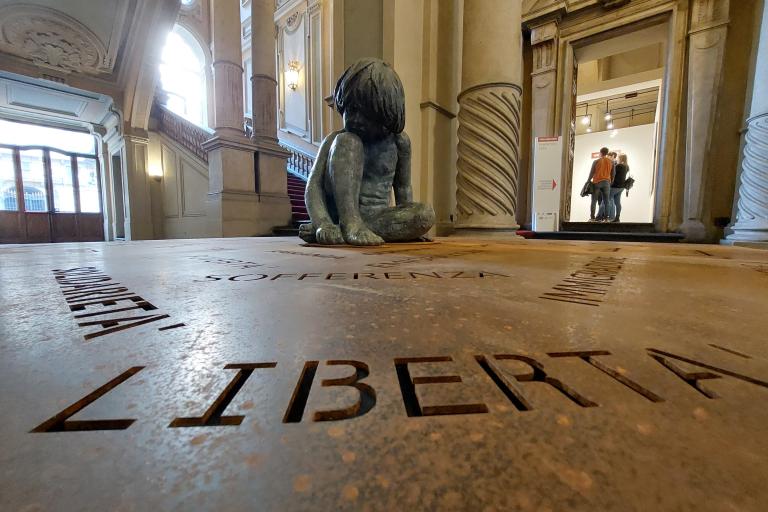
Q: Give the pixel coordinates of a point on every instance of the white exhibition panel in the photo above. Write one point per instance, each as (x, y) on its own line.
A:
(547, 172)
(639, 144)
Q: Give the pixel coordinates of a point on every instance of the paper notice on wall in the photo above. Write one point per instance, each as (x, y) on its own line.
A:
(547, 175)
(546, 222)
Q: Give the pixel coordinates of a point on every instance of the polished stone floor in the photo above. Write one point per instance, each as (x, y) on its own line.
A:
(464, 374)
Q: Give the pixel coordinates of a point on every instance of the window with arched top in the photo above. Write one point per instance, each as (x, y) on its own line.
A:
(182, 76)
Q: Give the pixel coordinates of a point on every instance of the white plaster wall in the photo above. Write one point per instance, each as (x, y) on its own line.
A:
(183, 189)
(295, 104)
(638, 143)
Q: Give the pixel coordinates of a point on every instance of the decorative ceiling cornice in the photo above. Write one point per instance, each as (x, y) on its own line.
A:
(52, 39)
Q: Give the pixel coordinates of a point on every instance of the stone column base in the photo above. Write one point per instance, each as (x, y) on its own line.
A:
(694, 230)
(248, 190)
(745, 243)
(234, 213)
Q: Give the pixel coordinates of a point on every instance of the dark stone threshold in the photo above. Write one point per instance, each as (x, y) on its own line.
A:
(665, 238)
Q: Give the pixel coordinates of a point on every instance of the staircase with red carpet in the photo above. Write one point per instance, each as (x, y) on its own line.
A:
(296, 193)
(299, 166)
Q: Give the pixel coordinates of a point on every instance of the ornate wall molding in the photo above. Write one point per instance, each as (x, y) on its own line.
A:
(706, 54)
(544, 43)
(613, 4)
(294, 22)
(52, 39)
(488, 156)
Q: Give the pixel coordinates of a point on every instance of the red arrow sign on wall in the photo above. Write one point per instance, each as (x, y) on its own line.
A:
(554, 184)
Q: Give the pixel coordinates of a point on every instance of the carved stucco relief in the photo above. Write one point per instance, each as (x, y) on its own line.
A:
(52, 39)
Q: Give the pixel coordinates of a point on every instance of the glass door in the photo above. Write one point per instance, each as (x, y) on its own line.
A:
(47, 195)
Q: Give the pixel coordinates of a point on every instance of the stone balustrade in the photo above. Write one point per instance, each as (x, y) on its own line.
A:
(187, 134)
(300, 162)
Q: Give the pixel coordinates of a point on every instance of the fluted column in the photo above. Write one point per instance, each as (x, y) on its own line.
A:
(752, 211)
(706, 53)
(489, 115)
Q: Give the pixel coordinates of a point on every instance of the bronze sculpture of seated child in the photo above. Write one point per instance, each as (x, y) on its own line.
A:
(348, 191)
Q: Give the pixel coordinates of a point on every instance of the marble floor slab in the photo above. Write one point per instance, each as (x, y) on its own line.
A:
(464, 374)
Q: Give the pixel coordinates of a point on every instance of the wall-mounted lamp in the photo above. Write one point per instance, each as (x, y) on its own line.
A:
(292, 75)
(155, 172)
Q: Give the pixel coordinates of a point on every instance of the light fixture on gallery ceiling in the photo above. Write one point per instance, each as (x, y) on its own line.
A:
(292, 75)
(608, 116)
(586, 120)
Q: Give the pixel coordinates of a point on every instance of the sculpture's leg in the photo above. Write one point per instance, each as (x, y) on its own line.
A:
(345, 169)
(403, 223)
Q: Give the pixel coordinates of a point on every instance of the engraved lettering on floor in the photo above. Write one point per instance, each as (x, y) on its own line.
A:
(508, 377)
(757, 267)
(357, 276)
(90, 295)
(423, 259)
(588, 285)
(233, 263)
(312, 254)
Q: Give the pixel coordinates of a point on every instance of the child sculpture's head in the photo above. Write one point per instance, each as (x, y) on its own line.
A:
(370, 97)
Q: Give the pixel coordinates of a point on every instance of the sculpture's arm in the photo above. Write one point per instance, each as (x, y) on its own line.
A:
(314, 194)
(402, 181)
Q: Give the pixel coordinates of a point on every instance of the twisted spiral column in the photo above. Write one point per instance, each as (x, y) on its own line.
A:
(752, 209)
(488, 156)
(752, 213)
(489, 115)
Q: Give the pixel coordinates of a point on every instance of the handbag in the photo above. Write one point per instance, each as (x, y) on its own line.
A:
(628, 184)
(588, 189)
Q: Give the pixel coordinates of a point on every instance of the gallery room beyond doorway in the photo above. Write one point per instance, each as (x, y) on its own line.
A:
(619, 83)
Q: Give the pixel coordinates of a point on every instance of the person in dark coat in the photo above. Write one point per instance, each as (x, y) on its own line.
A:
(617, 188)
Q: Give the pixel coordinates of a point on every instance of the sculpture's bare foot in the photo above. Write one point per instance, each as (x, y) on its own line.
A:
(361, 235)
(307, 233)
(329, 235)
